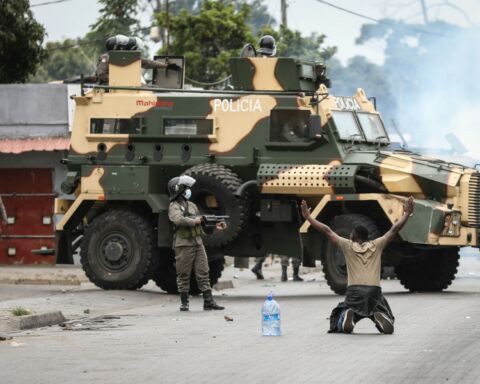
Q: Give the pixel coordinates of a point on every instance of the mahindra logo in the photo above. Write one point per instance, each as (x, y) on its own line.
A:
(155, 103)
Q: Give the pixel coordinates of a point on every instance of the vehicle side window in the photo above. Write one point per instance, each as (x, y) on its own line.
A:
(115, 126)
(188, 127)
(289, 126)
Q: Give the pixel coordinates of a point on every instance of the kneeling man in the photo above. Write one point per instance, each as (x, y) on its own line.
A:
(364, 296)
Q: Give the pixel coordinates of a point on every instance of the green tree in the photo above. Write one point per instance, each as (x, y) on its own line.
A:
(116, 17)
(291, 43)
(21, 38)
(209, 38)
(66, 60)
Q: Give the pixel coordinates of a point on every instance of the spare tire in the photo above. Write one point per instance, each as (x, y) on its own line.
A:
(214, 194)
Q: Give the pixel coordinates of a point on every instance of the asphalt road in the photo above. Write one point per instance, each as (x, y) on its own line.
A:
(141, 337)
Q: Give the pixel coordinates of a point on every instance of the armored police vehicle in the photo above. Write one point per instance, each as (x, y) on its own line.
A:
(256, 149)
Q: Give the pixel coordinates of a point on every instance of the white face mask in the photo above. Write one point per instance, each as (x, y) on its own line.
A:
(187, 194)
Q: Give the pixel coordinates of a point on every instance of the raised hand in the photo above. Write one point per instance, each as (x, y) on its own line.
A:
(305, 210)
(408, 206)
(221, 225)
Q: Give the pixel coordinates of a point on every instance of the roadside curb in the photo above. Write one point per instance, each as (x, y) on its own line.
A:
(221, 285)
(35, 321)
(39, 281)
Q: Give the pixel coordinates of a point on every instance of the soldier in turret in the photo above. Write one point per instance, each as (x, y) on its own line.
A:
(364, 296)
(267, 46)
(121, 42)
(187, 242)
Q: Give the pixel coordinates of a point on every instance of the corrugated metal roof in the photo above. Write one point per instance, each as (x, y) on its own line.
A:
(38, 144)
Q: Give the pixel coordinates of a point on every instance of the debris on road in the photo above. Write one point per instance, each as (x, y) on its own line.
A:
(4, 337)
(15, 344)
(228, 318)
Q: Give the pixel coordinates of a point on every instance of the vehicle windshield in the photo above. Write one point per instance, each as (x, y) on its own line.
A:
(372, 127)
(347, 126)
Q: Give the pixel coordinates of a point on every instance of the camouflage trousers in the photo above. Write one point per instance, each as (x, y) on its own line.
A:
(295, 261)
(188, 259)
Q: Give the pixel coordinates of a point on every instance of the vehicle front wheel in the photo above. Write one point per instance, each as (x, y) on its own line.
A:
(432, 271)
(118, 250)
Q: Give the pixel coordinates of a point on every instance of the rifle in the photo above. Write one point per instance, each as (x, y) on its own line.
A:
(210, 221)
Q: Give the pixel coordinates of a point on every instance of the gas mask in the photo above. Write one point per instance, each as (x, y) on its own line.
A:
(187, 194)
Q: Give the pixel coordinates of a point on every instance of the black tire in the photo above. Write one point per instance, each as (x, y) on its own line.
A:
(333, 260)
(166, 275)
(118, 250)
(217, 184)
(432, 271)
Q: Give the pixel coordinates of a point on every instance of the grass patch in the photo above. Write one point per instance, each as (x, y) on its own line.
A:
(20, 311)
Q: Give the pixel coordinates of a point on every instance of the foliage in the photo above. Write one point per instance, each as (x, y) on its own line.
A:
(21, 39)
(209, 38)
(66, 60)
(20, 311)
(116, 17)
(291, 43)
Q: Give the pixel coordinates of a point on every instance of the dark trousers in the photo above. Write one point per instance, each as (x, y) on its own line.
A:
(364, 300)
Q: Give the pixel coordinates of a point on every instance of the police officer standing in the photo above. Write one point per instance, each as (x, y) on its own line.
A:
(187, 242)
(296, 268)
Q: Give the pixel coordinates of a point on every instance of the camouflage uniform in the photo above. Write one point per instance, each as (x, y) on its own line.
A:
(102, 69)
(295, 261)
(187, 243)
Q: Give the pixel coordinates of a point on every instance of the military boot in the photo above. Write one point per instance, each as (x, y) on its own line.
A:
(284, 273)
(209, 303)
(257, 270)
(184, 300)
(296, 277)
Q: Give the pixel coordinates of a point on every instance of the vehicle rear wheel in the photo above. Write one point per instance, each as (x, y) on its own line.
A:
(214, 194)
(432, 271)
(166, 275)
(333, 260)
(118, 250)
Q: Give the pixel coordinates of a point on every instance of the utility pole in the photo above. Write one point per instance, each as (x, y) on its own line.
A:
(424, 11)
(284, 6)
(168, 27)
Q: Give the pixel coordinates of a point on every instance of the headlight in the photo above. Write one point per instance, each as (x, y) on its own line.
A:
(451, 225)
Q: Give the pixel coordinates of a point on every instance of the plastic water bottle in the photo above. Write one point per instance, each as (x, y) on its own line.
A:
(271, 317)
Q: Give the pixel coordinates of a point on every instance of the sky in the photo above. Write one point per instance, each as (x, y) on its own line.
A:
(72, 19)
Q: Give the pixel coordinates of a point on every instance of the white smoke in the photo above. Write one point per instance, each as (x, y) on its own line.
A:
(446, 96)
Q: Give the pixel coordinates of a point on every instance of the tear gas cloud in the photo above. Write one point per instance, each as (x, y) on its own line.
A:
(445, 95)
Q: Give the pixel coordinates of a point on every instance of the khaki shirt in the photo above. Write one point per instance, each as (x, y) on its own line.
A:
(364, 261)
(182, 213)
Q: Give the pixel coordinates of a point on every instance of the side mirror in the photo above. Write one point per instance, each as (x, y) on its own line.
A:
(314, 127)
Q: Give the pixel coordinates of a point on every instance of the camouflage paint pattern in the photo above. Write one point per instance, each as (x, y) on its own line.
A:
(322, 168)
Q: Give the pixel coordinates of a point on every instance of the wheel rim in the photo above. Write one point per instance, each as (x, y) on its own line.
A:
(115, 252)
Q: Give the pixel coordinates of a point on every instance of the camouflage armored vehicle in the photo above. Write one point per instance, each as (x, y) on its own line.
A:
(275, 137)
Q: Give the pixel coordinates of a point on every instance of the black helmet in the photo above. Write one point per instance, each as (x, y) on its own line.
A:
(124, 43)
(267, 46)
(178, 185)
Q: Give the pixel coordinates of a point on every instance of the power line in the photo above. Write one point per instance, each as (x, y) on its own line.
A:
(48, 3)
(380, 21)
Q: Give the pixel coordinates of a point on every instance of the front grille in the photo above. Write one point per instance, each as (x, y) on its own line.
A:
(474, 200)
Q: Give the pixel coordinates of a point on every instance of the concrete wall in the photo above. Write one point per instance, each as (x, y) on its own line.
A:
(33, 110)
